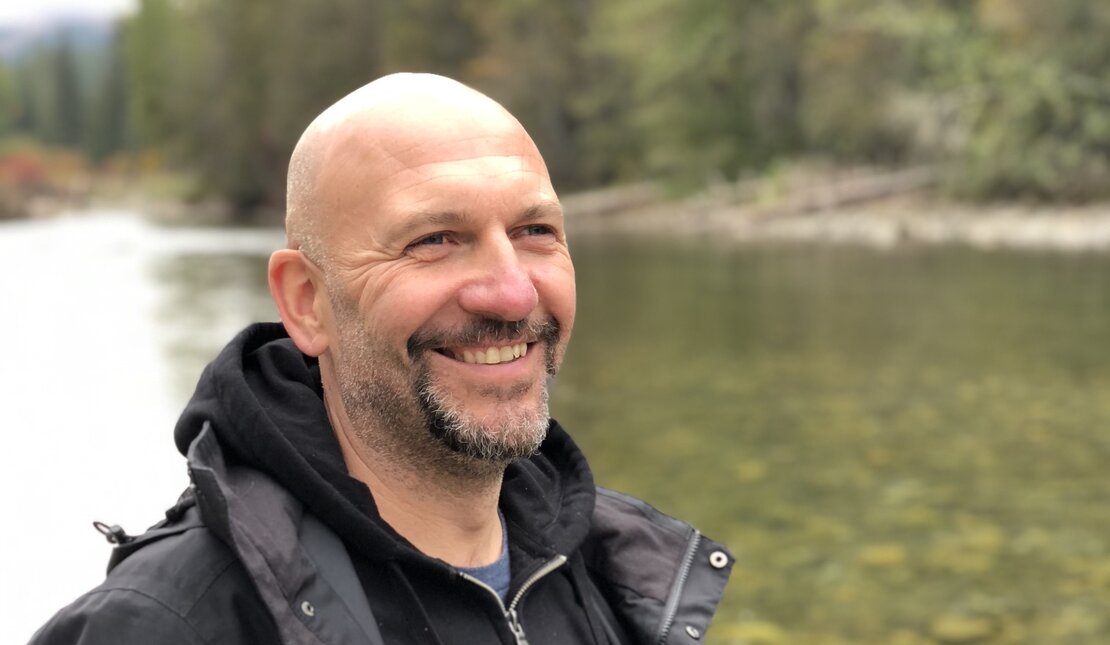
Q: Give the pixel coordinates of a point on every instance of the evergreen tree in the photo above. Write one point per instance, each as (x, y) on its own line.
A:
(108, 130)
(66, 99)
(9, 100)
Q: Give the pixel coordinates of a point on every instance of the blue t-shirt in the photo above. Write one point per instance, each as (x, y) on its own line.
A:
(495, 575)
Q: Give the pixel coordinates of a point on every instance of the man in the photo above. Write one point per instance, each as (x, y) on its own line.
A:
(382, 469)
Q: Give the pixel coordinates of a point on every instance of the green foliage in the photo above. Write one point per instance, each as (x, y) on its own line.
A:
(1037, 122)
(227, 87)
(427, 35)
(696, 86)
(67, 106)
(108, 129)
(9, 100)
(1010, 96)
(68, 93)
(151, 44)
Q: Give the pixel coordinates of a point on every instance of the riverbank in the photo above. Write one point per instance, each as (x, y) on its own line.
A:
(881, 209)
(886, 223)
(884, 219)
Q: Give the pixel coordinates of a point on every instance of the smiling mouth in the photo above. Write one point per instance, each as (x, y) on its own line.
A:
(486, 356)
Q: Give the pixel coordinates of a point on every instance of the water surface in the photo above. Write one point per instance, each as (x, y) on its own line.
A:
(899, 446)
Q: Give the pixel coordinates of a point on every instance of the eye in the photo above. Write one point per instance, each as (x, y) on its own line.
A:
(538, 229)
(434, 239)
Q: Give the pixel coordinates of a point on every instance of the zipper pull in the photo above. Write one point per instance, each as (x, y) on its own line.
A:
(517, 628)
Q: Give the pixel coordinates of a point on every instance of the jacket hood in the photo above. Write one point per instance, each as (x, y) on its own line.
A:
(264, 401)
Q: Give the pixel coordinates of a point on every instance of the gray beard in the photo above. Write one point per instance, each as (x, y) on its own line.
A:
(413, 422)
(517, 437)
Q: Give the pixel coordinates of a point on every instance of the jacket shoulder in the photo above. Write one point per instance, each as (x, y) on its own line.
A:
(656, 571)
(106, 616)
(186, 588)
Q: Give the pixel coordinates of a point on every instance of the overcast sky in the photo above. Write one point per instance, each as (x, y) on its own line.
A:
(15, 12)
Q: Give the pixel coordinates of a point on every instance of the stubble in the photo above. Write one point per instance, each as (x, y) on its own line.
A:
(400, 409)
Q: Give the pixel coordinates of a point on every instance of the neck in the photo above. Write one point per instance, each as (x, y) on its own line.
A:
(442, 503)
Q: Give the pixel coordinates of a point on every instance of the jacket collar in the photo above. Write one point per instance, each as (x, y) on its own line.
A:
(261, 398)
(299, 567)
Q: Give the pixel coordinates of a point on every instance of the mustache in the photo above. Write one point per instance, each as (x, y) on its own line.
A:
(483, 331)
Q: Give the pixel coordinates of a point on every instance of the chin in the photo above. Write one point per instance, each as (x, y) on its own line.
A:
(503, 434)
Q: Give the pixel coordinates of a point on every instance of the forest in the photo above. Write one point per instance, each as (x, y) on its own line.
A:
(1007, 99)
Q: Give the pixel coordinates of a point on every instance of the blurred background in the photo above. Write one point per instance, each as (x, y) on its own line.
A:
(844, 279)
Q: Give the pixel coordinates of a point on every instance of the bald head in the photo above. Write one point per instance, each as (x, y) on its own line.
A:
(367, 129)
(425, 237)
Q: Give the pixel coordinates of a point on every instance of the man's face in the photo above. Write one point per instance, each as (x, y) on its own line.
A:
(452, 288)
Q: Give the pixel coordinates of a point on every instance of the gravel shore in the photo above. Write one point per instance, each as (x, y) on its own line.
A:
(890, 222)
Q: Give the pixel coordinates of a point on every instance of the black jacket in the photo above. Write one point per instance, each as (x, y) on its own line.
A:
(274, 543)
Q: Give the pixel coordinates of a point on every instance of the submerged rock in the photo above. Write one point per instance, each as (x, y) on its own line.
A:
(958, 628)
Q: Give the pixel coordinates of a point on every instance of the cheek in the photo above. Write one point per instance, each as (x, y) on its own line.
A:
(555, 285)
(395, 318)
(407, 306)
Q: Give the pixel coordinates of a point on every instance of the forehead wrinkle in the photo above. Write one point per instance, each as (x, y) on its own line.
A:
(362, 148)
(458, 174)
(433, 157)
(426, 171)
(422, 141)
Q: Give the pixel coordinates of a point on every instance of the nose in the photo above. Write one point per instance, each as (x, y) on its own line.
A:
(500, 286)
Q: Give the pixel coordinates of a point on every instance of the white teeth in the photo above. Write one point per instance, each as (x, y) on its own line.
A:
(495, 355)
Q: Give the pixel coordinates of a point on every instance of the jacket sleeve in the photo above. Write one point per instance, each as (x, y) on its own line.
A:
(116, 617)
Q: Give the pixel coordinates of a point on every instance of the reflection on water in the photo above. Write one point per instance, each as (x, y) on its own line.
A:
(206, 300)
(900, 447)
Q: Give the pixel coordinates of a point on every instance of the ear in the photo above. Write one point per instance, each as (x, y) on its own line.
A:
(301, 298)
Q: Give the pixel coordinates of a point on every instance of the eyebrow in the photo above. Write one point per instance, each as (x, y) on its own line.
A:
(419, 219)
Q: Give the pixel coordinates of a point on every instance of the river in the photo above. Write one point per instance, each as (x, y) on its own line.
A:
(902, 445)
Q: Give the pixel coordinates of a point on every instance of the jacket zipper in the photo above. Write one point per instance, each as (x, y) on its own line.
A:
(671, 609)
(510, 612)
